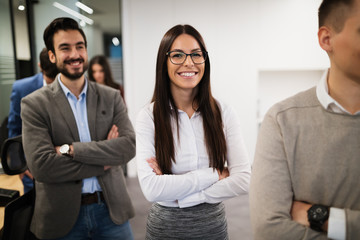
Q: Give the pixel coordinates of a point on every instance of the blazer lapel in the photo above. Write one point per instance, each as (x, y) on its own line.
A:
(91, 104)
(65, 109)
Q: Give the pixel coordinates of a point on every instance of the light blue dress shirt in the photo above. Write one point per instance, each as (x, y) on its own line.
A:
(78, 106)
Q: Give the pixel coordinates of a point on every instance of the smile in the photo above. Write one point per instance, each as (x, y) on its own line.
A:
(187, 74)
(75, 62)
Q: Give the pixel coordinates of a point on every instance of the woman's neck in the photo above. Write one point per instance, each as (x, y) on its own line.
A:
(184, 100)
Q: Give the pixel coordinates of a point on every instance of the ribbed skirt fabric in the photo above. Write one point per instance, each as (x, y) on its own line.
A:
(204, 221)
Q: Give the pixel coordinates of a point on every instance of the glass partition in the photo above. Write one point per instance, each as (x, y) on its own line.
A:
(7, 59)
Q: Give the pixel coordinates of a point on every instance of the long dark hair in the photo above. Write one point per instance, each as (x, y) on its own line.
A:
(207, 106)
(103, 62)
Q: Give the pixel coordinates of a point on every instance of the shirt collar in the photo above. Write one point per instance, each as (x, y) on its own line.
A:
(322, 93)
(196, 113)
(68, 92)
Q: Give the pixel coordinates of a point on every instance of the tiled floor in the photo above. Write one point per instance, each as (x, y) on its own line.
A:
(237, 212)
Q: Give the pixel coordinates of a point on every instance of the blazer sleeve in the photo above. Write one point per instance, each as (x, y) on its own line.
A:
(112, 152)
(271, 194)
(43, 161)
(14, 120)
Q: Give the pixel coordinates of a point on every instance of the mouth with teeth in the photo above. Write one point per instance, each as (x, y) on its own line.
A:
(187, 74)
(74, 62)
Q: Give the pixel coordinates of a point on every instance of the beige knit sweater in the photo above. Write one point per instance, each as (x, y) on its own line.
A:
(306, 153)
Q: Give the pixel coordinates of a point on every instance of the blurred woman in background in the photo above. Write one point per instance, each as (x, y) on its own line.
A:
(100, 72)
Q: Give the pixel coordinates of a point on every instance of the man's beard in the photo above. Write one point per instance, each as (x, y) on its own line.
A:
(72, 76)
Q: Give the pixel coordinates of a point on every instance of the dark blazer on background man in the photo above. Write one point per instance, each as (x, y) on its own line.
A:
(48, 121)
(20, 89)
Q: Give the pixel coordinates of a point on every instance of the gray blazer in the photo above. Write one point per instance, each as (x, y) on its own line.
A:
(48, 121)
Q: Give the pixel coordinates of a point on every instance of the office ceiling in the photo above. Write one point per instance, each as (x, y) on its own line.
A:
(107, 14)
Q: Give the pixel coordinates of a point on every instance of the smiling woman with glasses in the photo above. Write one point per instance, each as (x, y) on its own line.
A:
(190, 152)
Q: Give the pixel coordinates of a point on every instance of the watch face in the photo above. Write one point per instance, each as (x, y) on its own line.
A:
(64, 149)
(318, 213)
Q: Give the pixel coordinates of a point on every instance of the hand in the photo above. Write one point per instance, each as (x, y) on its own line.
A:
(27, 173)
(154, 165)
(113, 133)
(57, 150)
(106, 167)
(299, 213)
(225, 173)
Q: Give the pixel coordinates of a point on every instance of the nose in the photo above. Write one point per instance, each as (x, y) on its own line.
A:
(74, 53)
(188, 61)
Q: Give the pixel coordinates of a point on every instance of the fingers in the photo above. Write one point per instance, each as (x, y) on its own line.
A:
(224, 174)
(154, 165)
(57, 150)
(113, 133)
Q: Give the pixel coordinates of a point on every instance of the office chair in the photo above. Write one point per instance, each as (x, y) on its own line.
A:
(3, 130)
(18, 213)
(12, 156)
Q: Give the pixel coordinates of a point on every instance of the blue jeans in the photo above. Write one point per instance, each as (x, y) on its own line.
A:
(28, 183)
(94, 222)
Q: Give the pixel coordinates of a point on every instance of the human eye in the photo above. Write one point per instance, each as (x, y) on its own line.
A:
(197, 54)
(177, 55)
(81, 46)
(64, 48)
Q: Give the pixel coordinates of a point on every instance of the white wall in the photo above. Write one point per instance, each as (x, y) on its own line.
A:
(243, 38)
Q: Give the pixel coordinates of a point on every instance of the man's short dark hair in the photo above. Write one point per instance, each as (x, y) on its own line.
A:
(334, 13)
(56, 25)
(47, 67)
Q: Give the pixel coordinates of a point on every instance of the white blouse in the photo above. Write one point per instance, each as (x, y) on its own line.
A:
(193, 182)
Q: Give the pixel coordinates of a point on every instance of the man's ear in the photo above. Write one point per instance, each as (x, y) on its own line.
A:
(324, 36)
(52, 57)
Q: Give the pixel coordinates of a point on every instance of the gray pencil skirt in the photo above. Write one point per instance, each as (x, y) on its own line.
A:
(204, 221)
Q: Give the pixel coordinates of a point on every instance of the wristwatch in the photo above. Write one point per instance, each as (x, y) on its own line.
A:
(65, 149)
(317, 216)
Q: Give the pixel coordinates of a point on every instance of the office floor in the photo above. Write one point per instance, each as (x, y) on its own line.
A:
(237, 212)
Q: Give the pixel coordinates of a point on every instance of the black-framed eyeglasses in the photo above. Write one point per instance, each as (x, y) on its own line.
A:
(178, 58)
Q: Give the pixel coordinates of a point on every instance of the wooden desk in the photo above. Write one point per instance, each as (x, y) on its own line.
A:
(9, 182)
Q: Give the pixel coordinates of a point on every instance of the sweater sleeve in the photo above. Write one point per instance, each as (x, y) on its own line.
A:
(352, 224)
(271, 193)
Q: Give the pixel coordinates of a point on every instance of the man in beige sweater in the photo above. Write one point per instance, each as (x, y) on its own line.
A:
(306, 172)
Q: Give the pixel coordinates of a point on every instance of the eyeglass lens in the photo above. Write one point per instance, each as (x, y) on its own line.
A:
(180, 57)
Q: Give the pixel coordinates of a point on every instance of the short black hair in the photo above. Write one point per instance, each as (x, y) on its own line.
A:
(47, 67)
(57, 24)
(334, 13)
